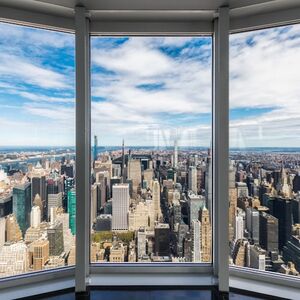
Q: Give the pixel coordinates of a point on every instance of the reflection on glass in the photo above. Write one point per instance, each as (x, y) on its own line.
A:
(264, 171)
(37, 167)
(151, 168)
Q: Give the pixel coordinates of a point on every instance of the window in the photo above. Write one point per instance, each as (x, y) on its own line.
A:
(265, 150)
(151, 194)
(37, 153)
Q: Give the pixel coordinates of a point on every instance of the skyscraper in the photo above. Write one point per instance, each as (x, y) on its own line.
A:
(35, 217)
(120, 206)
(56, 239)
(239, 227)
(175, 160)
(95, 150)
(38, 186)
(135, 173)
(196, 240)
(22, 205)
(268, 232)
(162, 239)
(193, 179)
(206, 237)
(283, 212)
(72, 210)
(156, 200)
(252, 224)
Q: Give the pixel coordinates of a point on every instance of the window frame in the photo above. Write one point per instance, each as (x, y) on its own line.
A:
(222, 22)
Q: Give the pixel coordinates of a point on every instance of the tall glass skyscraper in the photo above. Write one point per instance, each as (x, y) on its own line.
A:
(72, 210)
(22, 205)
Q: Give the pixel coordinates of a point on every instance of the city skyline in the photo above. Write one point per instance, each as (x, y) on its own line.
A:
(170, 76)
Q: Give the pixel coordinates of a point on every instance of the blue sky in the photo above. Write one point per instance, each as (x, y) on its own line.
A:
(149, 90)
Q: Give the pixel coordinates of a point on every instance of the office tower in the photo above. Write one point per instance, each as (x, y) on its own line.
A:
(103, 223)
(141, 243)
(196, 202)
(239, 227)
(206, 236)
(196, 239)
(102, 179)
(296, 209)
(38, 187)
(256, 257)
(135, 173)
(268, 232)
(114, 180)
(2, 231)
(13, 259)
(95, 150)
(68, 185)
(123, 163)
(283, 212)
(296, 183)
(35, 217)
(162, 239)
(69, 239)
(156, 200)
(242, 189)
(54, 200)
(56, 239)
(120, 206)
(72, 210)
(148, 177)
(94, 198)
(208, 181)
(6, 202)
(175, 160)
(193, 179)
(40, 254)
(22, 205)
(252, 224)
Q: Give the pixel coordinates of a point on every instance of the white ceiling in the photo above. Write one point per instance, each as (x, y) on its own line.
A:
(144, 9)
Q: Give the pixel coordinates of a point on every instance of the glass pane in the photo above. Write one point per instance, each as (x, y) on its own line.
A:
(37, 138)
(151, 197)
(265, 150)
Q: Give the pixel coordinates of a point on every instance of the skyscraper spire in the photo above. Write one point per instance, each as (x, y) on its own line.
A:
(175, 161)
(123, 161)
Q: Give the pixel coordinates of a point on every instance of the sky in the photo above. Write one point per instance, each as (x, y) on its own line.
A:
(149, 91)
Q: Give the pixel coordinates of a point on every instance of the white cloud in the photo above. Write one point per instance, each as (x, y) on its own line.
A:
(186, 90)
(16, 68)
(264, 68)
